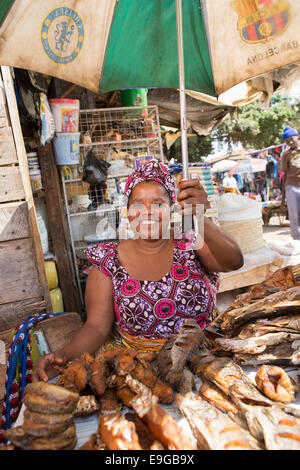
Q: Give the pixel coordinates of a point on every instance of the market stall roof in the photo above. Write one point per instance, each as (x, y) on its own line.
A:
(203, 115)
(251, 165)
(241, 154)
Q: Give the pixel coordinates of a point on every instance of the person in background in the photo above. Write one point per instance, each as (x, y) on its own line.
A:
(290, 166)
(229, 184)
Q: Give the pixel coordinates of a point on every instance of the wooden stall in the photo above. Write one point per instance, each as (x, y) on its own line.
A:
(23, 283)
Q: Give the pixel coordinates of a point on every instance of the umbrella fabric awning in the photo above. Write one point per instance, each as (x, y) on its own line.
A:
(109, 45)
(253, 165)
(202, 117)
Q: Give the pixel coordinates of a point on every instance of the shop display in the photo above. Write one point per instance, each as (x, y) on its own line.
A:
(110, 141)
(224, 409)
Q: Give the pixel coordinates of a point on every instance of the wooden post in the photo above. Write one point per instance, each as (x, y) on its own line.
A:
(59, 230)
(24, 174)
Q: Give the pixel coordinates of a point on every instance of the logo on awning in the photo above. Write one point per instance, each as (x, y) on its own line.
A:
(261, 20)
(62, 35)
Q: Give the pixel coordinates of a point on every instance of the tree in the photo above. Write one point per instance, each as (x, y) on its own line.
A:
(198, 147)
(250, 126)
(255, 127)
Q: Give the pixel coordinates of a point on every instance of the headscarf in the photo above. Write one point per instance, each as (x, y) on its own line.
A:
(151, 171)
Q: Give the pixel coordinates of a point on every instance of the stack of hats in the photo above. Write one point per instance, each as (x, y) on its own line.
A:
(48, 419)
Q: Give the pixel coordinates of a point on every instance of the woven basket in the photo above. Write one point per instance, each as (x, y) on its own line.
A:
(247, 233)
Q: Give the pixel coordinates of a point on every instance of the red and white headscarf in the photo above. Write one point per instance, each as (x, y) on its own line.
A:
(151, 171)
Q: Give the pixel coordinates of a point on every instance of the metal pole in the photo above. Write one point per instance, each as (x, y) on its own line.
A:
(183, 124)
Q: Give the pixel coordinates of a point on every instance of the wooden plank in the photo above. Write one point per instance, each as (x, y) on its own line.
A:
(5, 133)
(14, 221)
(244, 279)
(19, 278)
(8, 152)
(3, 112)
(13, 313)
(11, 184)
(23, 163)
(60, 330)
(58, 228)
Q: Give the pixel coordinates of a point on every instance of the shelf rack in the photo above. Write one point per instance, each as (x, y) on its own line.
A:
(116, 135)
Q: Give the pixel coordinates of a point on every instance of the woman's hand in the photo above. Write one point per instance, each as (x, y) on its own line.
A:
(191, 194)
(45, 366)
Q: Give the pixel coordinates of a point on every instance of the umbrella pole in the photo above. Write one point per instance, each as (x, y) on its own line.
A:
(183, 123)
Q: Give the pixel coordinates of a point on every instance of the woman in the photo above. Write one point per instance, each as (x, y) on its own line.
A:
(143, 288)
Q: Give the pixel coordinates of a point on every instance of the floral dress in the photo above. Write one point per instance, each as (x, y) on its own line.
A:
(156, 309)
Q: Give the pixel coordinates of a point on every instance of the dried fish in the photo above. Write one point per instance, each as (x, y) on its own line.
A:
(278, 304)
(212, 428)
(285, 323)
(117, 433)
(281, 355)
(142, 402)
(256, 343)
(224, 372)
(166, 430)
(178, 349)
(275, 383)
(281, 279)
(279, 430)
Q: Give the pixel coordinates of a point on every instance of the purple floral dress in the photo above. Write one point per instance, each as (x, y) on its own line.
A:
(156, 309)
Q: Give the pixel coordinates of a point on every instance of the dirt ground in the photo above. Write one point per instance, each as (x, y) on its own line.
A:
(276, 231)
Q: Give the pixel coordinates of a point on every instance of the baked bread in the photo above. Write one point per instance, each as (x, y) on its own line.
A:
(49, 399)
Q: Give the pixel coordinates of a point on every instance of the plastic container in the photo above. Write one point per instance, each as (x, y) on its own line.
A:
(35, 179)
(66, 148)
(135, 97)
(51, 274)
(43, 233)
(56, 300)
(66, 114)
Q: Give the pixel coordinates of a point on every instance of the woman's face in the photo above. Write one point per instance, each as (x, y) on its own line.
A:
(149, 211)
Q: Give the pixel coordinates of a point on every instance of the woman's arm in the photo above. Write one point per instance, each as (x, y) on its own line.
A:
(92, 334)
(100, 316)
(218, 251)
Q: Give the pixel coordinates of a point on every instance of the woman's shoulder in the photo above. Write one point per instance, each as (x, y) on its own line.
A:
(101, 249)
(103, 255)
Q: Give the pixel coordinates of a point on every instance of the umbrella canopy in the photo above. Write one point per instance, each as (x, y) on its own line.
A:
(109, 45)
(253, 165)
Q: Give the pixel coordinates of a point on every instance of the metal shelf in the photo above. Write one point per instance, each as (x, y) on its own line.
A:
(113, 134)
